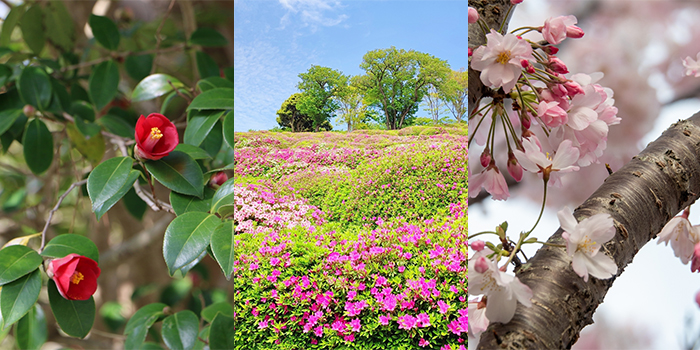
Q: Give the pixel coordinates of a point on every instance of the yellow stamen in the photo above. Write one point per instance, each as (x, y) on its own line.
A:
(503, 57)
(77, 277)
(155, 133)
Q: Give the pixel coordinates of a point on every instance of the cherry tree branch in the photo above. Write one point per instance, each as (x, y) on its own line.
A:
(55, 208)
(641, 198)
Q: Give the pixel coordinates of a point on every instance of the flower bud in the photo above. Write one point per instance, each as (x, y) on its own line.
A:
(473, 15)
(550, 50)
(574, 32)
(557, 65)
(695, 265)
(28, 110)
(478, 245)
(218, 179)
(481, 265)
(514, 168)
(485, 157)
(515, 2)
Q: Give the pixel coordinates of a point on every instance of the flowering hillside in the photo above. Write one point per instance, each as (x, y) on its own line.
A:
(351, 241)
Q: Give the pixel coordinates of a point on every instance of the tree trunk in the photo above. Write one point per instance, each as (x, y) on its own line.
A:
(641, 197)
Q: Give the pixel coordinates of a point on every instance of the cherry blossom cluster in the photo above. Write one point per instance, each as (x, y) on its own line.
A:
(541, 107)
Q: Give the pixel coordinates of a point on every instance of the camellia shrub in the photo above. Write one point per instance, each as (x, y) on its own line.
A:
(116, 116)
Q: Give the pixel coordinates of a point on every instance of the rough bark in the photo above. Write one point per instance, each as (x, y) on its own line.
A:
(493, 12)
(641, 197)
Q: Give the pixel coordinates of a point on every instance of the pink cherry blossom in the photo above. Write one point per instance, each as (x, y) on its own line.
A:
(556, 29)
(500, 60)
(692, 66)
(682, 236)
(583, 241)
(493, 182)
(535, 161)
(477, 317)
(551, 114)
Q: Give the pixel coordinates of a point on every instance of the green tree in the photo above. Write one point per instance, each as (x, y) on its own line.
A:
(351, 104)
(435, 104)
(454, 93)
(397, 80)
(290, 118)
(318, 86)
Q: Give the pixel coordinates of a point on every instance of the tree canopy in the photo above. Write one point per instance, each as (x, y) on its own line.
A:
(318, 85)
(289, 116)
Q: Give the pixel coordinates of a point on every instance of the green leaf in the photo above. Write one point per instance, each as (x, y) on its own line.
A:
(17, 261)
(206, 65)
(222, 247)
(60, 101)
(31, 331)
(69, 243)
(75, 317)
(186, 238)
(153, 86)
(220, 333)
(7, 118)
(225, 210)
(32, 25)
(174, 103)
(38, 146)
(180, 330)
(182, 203)
(213, 83)
(61, 24)
(117, 125)
(19, 296)
(108, 182)
(208, 37)
(228, 73)
(137, 327)
(223, 196)
(199, 126)
(35, 87)
(103, 83)
(212, 144)
(228, 129)
(105, 31)
(5, 74)
(93, 148)
(222, 307)
(138, 67)
(194, 152)
(219, 98)
(134, 204)
(9, 24)
(151, 346)
(178, 172)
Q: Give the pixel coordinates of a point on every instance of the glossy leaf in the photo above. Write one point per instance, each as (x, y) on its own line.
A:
(33, 32)
(31, 331)
(105, 31)
(223, 196)
(35, 87)
(199, 126)
(107, 181)
(178, 172)
(208, 37)
(219, 98)
(75, 317)
(103, 83)
(13, 17)
(221, 333)
(93, 149)
(17, 261)
(228, 129)
(225, 210)
(138, 67)
(19, 296)
(183, 203)
(180, 330)
(186, 238)
(69, 243)
(212, 144)
(38, 146)
(7, 118)
(5, 73)
(213, 83)
(117, 125)
(222, 307)
(174, 103)
(222, 247)
(206, 65)
(137, 327)
(61, 24)
(153, 86)
(194, 152)
(60, 100)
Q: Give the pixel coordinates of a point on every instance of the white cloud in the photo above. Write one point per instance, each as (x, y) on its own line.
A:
(312, 13)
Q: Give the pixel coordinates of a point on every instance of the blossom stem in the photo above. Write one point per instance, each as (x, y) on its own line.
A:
(479, 124)
(510, 9)
(482, 233)
(544, 201)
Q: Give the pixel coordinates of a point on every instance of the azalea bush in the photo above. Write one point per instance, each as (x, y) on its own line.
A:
(106, 150)
(307, 278)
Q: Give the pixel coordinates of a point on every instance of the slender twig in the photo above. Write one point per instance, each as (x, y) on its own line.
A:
(150, 183)
(177, 91)
(201, 319)
(108, 335)
(158, 38)
(55, 208)
(177, 47)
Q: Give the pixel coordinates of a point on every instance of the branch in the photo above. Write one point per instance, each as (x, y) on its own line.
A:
(55, 208)
(641, 197)
(178, 47)
(158, 38)
(142, 240)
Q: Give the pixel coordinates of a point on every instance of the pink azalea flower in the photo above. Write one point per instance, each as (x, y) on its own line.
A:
(493, 182)
(407, 322)
(583, 241)
(443, 306)
(424, 319)
(423, 343)
(500, 60)
(384, 320)
(355, 325)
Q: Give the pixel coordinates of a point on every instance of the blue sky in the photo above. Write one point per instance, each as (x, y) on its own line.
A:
(275, 40)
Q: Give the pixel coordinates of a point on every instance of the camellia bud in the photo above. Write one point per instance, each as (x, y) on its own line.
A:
(28, 110)
(485, 157)
(218, 179)
(514, 168)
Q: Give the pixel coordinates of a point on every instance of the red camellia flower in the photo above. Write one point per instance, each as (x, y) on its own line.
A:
(75, 276)
(156, 137)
